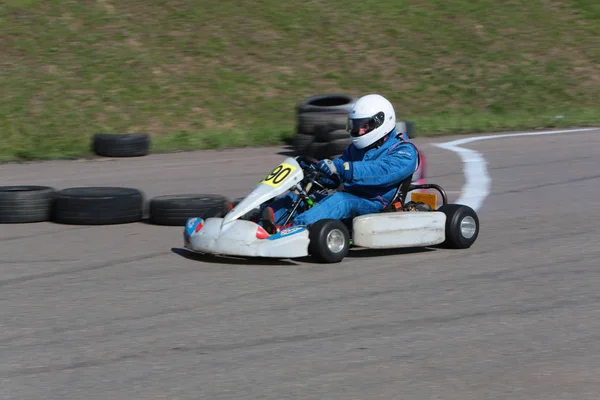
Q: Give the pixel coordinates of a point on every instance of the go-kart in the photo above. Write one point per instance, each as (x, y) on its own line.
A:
(416, 223)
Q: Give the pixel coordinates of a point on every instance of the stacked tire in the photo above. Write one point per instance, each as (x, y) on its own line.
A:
(321, 125)
(25, 204)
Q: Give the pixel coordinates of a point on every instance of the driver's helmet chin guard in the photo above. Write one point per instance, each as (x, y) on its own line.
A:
(373, 112)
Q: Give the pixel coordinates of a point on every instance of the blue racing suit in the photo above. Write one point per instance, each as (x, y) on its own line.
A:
(371, 177)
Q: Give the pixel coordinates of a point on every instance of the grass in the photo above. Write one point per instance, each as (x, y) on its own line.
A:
(212, 74)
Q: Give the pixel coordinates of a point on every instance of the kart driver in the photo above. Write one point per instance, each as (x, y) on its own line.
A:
(371, 169)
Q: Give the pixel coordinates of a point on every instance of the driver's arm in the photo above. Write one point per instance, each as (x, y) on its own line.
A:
(388, 170)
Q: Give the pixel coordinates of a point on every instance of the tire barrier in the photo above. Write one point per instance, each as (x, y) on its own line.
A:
(121, 145)
(24, 204)
(406, 127)
(309, 123)
(326, 135)
(302, 143)
(176, 209)
(98, 206)
(320, 133)
(319, 119)
(321, 125)
(336, 147)
(104, 206)
(330, 103)
(316, 116)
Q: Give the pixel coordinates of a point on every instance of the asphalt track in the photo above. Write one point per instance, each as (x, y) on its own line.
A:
(120, 312)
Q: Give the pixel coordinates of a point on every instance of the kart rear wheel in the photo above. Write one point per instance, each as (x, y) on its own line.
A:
(462, 226)
(329, 241)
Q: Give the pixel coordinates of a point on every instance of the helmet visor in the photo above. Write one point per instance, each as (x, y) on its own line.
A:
(362, 126)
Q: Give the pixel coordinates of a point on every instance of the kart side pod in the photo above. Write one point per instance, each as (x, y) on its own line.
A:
(396, 230)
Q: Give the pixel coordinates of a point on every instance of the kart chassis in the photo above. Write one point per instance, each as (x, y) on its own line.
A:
(398, 225)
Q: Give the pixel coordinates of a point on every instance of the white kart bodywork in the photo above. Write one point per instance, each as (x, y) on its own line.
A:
(399, 229)
(238, 238)
(264, 191)
(232, 236)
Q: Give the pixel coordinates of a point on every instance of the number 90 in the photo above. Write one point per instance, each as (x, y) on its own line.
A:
(278, 175)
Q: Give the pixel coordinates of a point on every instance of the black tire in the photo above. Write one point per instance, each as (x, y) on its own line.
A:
(308, 123)
(326, 134)
(175, 210)
(455, 215)
(121, 145)
(318, 236)
(333, 102)
(406, 127)
(24, 204)
(250, 214)
(302, 142)
(318, 150)
(337, 147)
(98, 206)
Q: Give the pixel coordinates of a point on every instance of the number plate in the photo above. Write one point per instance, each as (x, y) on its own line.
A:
(427, 198)
(278, 175)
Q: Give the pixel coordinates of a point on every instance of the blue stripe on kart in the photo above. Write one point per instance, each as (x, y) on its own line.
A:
(287, 232)
(191, 224)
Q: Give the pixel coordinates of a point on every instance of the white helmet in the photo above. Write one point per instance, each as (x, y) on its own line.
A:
(373, 112)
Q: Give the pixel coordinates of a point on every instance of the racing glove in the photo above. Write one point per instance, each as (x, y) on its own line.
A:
(336, 167)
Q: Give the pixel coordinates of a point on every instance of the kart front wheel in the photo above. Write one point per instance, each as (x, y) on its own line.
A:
(462, 226)
(329, 241)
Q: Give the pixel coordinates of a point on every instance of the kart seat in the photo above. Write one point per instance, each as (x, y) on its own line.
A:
(406, 186)
(399, 196)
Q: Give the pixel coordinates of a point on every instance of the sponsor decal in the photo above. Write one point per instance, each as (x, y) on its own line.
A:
(193, 225)
(289, 231)
(286, 232)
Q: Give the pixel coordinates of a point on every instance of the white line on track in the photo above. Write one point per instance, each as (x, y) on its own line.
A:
(477, 180)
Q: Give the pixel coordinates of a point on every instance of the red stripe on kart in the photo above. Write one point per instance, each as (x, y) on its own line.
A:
(261, 233)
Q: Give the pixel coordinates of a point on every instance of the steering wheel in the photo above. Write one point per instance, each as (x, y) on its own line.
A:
(309, 161)
(327, 181)
(316, 176)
